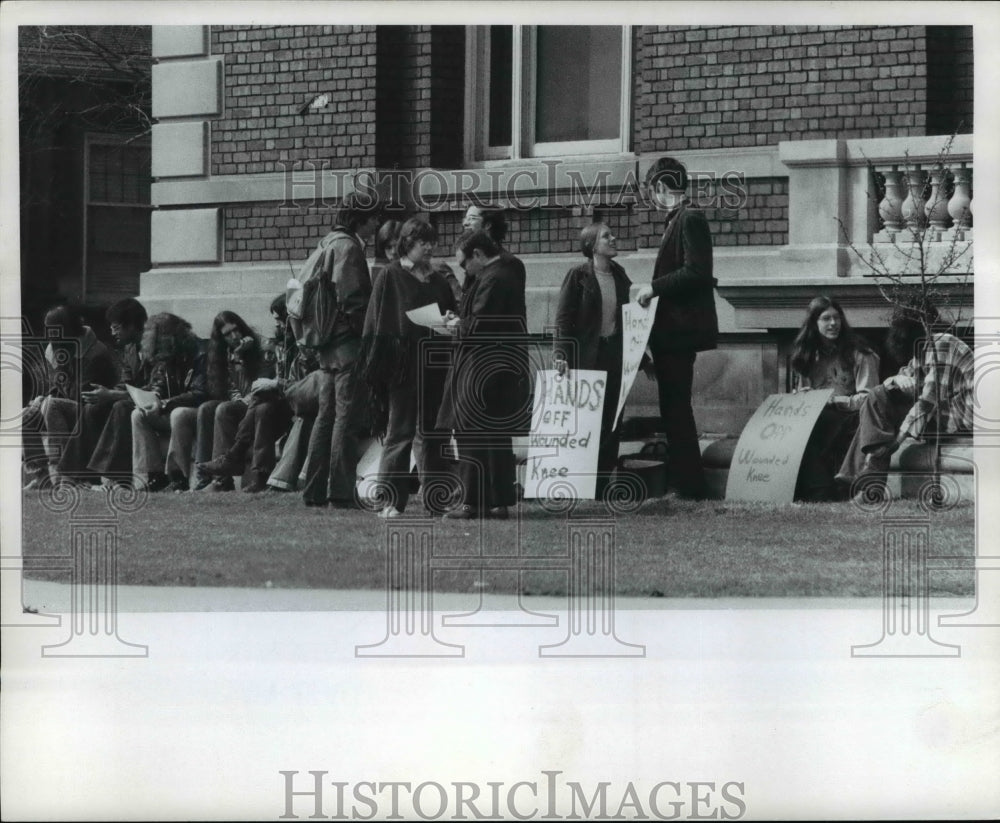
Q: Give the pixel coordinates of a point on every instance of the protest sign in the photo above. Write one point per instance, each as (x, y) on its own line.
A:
(766, 462)
(565, 434)
(636, 323)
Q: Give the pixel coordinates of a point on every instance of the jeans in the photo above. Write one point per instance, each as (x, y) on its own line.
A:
(334, 444)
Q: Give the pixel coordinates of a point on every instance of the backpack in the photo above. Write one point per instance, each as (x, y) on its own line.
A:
(313, 314)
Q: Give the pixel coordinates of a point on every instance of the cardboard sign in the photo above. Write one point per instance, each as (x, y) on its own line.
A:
(766, 462)
(636, 323)
(565, 434)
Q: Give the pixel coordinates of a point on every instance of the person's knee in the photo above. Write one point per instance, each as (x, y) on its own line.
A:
(177, 415)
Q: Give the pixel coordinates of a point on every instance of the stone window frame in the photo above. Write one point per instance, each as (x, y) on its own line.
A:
(523, 145)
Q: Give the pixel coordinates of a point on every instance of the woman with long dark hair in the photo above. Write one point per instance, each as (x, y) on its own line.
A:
(234, 360)
(828, 353)
(404, 396)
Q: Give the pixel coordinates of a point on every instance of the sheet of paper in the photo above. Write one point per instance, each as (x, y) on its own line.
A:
(143, 399)
(429, 315)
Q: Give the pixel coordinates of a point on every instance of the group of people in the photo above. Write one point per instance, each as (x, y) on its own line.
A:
(290, 412)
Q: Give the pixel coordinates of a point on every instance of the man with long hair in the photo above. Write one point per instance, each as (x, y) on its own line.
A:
(932, 392)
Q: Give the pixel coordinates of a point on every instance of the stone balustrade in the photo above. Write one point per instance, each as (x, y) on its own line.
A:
(929, 200)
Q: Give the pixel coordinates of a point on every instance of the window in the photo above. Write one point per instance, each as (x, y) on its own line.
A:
(116, 217)
(539, 91)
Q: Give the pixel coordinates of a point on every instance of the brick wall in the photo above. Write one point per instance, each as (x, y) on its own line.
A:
(403, 92)
(270, 73)
(724, 87)
(949, 79)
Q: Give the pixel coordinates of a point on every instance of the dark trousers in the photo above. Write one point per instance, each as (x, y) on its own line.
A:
(411, 429)
(217, 426)
(879, 419)
(265, 421)
(674, 379)
(486, 471)
(112, 456)
(609, 359)
(334, 444)
(828, 443)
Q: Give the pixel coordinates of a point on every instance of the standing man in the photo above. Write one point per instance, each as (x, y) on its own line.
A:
(334, 443)
(486, 392)
(685, 322)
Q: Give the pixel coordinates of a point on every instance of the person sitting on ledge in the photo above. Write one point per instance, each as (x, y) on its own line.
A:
(829, 354)
(933, 391)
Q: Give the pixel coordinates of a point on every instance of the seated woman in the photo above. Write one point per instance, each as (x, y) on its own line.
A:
(404, 397)
(235, 359)
(828, 353)
(176, 361)
(589, 329)
(268, 415)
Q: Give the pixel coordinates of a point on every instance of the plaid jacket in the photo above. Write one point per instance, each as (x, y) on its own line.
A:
(943, 375)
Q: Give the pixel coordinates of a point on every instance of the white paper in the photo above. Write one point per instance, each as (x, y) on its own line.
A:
(429, 315)
(145, 400)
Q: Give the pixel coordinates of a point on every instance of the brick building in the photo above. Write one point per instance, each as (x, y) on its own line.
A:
(787, 132)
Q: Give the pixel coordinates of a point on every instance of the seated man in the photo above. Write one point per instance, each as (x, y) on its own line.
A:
(76, 362)
(933, 391)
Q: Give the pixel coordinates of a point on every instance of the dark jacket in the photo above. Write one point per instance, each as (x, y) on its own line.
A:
(90, 363)
(182, 381)
(348, 269)
(580, 311)
(682, 279)
(488, 384)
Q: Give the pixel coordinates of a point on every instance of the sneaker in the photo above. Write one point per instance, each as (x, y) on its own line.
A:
(389, 512)
(179, 484)
(223, 466)
(499, 513)
(221, 484)
(157, 482)
(37, 482)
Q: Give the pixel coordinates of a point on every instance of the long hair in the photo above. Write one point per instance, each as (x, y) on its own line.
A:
(809, 342)
(167, 338)
(218, 353)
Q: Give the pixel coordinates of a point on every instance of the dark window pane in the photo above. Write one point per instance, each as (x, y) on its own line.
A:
(501, 63)
(578, 90)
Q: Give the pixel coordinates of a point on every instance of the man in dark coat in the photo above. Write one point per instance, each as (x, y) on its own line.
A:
(685, 321)
(486, 392)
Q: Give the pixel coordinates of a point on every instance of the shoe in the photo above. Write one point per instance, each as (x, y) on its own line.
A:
(223, 466)
(179, 484)
(202, 482)
(277, 489)
(256, 485)
(315, 503)
(157, 482)
(499, 513)
(36, 483)
(221, 484)
(463, 513)
(389, 512)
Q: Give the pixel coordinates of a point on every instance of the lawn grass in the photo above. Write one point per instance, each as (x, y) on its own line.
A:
(668, 548)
